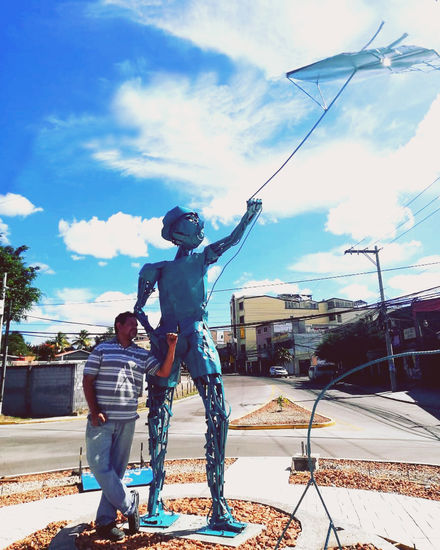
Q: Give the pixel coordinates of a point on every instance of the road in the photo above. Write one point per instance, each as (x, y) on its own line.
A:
(369, 427)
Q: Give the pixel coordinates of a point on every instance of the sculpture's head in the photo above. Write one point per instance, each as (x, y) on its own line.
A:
(183, 227)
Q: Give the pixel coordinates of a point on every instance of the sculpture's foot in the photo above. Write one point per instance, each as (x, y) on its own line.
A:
(226, 524)
(161, 520)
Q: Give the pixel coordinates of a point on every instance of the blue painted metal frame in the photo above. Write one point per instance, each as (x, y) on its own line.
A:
(312, 480)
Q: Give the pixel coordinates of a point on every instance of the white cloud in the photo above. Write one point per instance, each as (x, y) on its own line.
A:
(43, 268)
(77, 258)
(120, 234)
(357, 291)
(102, 264)
(213, 273)
(97, 313)
(12, 204)
(428, 276)
(4, 232)
(137, 265)
(288, 33)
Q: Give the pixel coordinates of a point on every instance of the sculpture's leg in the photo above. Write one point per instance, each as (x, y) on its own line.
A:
(210, 388)
(159, 402)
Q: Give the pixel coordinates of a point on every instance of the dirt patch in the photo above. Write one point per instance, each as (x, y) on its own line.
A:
(274, 519)
(279, 413)
(414, 480)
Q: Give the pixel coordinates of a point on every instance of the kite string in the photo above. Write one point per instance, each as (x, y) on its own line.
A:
(319, 119)
(291, 155)
(306, 137)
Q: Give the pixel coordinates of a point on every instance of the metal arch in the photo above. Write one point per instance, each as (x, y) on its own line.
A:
(312, 480)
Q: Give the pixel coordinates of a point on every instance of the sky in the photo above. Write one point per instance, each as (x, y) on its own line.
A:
(115, 111)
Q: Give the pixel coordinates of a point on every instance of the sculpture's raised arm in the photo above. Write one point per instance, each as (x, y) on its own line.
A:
(215, 250)
(148, 277)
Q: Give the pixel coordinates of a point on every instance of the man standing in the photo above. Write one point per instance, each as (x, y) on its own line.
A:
(112, 383)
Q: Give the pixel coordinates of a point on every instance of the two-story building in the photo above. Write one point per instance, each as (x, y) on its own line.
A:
(249, 311)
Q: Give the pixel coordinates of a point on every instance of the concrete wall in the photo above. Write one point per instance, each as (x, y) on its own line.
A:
(44, 389)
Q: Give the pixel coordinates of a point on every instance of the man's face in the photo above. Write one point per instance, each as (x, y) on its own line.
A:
(128, 330)
(188, 231)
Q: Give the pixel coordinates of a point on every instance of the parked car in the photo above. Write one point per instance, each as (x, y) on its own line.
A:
(323, 370)
(278, 370)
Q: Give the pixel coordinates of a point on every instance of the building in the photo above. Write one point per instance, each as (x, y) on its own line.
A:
(249, 311)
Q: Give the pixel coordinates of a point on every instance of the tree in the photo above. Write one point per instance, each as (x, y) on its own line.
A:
(83, 340)
(17, 345)
(282, 355)
(20, 294)
(351, 344)
(45, 351)
(60, 342)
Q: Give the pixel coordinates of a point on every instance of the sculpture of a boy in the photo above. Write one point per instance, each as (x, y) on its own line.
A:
(182, 285)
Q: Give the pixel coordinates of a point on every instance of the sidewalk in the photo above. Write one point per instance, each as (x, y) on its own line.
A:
(363, 515)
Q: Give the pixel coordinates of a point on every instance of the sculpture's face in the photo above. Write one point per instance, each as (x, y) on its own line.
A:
(188, 231)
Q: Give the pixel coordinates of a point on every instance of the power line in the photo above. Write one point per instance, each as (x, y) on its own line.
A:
(405, 206)
(310, 280)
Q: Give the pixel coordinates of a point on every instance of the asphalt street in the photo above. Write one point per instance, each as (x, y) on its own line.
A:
(367, 426)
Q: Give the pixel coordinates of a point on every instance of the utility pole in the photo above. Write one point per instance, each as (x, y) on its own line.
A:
(2, 306)
(5, 351)
(383, 309)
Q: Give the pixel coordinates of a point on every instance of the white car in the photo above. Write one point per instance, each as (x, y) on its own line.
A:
(278, 371)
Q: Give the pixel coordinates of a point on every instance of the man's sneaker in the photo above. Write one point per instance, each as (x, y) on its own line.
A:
(133, 519)
(110, 532)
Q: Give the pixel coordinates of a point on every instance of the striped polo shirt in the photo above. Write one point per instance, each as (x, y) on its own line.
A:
(119, 374)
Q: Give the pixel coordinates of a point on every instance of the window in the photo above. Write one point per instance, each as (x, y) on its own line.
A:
(333, 304)
(339, 318)
(241, 306)
(243, 348)
(303, 304)
(241, 318)
(265, 329)
(332, 317)
(259, 331)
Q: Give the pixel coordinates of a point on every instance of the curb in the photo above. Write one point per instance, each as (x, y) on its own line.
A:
(280, 426)
(42, 420)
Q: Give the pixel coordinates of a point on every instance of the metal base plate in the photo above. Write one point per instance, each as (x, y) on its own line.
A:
(162, 520)
(212, 532)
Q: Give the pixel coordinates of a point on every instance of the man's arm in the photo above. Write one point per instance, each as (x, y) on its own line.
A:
(96, 416)
(165, 369)
(215, 250)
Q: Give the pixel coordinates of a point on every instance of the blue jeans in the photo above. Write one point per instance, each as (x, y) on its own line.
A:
(108, 451)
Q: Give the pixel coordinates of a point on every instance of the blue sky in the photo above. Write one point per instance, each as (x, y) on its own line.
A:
(115, 111)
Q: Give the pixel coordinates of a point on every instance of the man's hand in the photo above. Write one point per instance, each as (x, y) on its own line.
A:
(172, 339)
(98, 418)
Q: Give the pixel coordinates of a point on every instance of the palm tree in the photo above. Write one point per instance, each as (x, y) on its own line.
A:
(83, 340)
(60, 342)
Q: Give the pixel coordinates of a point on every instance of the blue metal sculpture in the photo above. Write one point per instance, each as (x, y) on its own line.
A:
(182, 285)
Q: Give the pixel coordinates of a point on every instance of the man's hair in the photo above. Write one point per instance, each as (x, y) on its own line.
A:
(122, 317)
